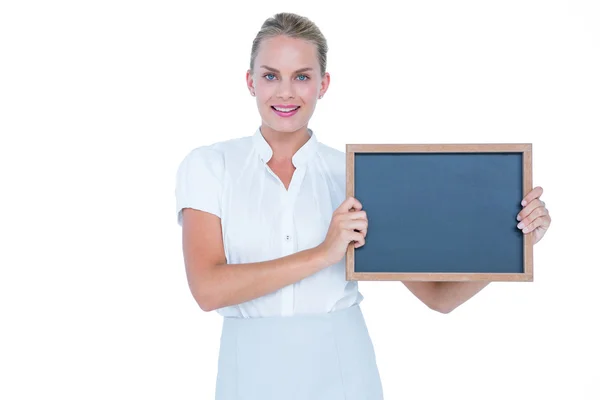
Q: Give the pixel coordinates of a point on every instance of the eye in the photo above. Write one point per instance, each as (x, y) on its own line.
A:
(267, 76)
(305, 76)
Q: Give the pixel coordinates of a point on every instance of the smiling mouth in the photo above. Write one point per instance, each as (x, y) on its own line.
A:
(285, 109)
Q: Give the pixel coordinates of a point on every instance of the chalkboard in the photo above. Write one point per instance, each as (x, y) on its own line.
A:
(440, 212)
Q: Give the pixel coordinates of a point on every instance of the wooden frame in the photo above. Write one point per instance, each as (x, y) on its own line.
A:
(524, 148)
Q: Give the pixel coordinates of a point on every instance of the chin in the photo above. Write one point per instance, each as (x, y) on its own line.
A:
(285, 126)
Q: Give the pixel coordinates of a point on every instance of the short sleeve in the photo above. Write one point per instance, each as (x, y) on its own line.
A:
(199, 181)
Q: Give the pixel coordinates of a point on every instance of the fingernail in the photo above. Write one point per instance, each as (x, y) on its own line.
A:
(523, 203)
(520, 225)
(518, 217)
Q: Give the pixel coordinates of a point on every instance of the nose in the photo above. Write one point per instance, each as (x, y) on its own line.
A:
(285, 90)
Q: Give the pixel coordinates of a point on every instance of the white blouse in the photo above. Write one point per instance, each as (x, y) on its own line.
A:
(261, 220)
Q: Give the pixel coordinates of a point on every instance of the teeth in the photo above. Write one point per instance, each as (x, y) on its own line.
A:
(285, 109)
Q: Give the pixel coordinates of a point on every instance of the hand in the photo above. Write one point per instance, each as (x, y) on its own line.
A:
(348, 224)
(534, 217)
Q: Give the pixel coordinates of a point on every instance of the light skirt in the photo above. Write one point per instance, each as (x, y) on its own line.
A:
(303, 357)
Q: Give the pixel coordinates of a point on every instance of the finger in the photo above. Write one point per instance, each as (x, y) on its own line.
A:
(357, 239)
(530, 227)
(538, 213)
(363, 231)
(355, 224)
(533, 194)
(543, 222)
(349, 204)
(356, 215)
(528, 209)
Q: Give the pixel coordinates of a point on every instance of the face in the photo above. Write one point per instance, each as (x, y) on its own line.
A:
(287, 83)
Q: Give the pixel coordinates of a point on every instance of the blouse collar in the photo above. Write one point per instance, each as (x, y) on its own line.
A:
(300, 158)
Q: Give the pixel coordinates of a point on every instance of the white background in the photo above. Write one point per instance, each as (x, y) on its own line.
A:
(100, 101)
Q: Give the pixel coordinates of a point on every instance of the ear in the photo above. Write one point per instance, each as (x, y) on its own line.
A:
(324, 84)
(250, 82)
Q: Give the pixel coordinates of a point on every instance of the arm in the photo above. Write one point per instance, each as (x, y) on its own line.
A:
(215, 284)
(444, 296)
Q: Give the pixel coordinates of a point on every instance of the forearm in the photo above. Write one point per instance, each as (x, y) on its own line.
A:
(230, 284)
(450, 295)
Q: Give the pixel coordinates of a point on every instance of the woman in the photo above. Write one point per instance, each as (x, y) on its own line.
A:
(266, 226)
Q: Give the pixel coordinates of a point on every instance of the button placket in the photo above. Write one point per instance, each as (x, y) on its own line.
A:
(289, 239)
(288, 216)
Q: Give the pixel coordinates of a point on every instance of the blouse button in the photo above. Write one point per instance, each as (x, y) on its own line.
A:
(287, 237)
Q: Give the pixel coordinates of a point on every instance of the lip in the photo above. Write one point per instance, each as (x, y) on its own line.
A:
(285, 114)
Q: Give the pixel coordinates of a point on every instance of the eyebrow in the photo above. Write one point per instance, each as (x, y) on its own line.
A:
(276, 70)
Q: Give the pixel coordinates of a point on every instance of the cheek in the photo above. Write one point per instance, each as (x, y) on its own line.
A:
(264, 91)
(308, 90)
(263, 99)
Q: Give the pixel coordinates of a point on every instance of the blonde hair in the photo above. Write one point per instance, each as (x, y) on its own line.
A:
(294, 26)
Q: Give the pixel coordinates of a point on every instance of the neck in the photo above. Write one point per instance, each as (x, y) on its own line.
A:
(285, 144)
